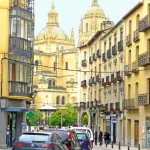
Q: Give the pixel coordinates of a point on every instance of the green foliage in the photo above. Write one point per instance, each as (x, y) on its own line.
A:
(85, 119)
(69, 116)
(33, 117)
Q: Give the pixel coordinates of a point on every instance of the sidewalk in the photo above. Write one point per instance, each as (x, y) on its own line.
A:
(6, 149)
(115, 147)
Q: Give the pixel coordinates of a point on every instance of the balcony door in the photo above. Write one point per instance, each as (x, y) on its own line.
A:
(136, 132)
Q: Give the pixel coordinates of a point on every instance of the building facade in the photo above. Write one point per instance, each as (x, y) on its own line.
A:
(16, 53)
(56, 61)
(137, 75)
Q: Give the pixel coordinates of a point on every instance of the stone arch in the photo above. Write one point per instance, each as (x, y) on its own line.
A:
(81, 119)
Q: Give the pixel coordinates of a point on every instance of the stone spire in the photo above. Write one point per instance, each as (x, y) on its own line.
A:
(72, 40)
(81, 26)
(95, 3)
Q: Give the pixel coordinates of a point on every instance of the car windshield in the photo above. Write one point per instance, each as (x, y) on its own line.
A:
(87, 131)
(34, 137)
(82, 136)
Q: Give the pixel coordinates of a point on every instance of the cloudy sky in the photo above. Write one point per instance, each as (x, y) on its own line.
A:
(70, 12)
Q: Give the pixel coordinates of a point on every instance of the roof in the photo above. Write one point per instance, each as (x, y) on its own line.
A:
(47, 107)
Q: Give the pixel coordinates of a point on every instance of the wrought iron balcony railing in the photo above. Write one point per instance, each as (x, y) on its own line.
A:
(76, 105)
(131, 104)
(128, 40)
(128, 70)
(104, 57)
(136, 35)
(144, 59)
(144, 24)
(113, 78)
(98, 53)
(84, 63)
(112, 107)
(109, 53)
(83, 83)
(87, 104)
(135, 67)
(117, 106)
(94, 56)
(82, 105)
(119, 75)
(90, 59)
(94, 80)
(103, 82)
(106, 107)
(98, 78)
(90, 81)
(143, 99)
(108, 82)
(120, 45)
(114, 50)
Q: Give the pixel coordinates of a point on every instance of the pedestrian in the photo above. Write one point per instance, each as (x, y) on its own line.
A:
(107, 137)
(100, 138)
(95, 138)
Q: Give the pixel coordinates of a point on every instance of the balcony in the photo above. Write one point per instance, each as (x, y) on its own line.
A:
(94, 57)
(98, 78)
(109, 53)
(21, 47)
(114, 50)
(90, 81)
(120, 46)
(130, 104)
(102, 108)
(90, 59)
(84, 63)
(135, 67)
(77, 106)
(18, 88)
(94, 80)
(112, 107)
(106, 107)
(91, 104)
(143, 99)
(103, 82)
(117, 106)
(113, 78)
(119, 76)
(87, 104)
(98, 53)
(82, 105)
(108, 82)
(83, 83)
(127, 70)
(128, 40)
(144, 24)
(97, 103)
(104, 57)
(144, 59)
(135, 35)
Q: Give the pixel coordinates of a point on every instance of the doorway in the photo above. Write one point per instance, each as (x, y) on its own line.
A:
(136, 132)
(114, 132)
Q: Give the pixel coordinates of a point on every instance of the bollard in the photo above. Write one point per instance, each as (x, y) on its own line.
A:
(138, 146)
(112, 144)
(119, 146)
(106, 143)
(128, 147)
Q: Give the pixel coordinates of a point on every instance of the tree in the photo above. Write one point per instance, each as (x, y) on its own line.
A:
(69, 116)
(33, 117)
(85, 119)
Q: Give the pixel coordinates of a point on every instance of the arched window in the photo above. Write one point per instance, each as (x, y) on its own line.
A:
(66, 65)
(63, 100)
(53, 83)
(57, 100)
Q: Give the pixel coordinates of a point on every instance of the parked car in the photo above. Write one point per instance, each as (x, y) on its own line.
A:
(86, 129)
(68, 136)
(39, 140)
(85, 142)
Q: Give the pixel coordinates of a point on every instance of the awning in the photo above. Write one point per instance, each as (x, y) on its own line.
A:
(19, 109)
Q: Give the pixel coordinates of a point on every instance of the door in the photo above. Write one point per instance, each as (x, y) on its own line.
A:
(114, 132)
(136, 132)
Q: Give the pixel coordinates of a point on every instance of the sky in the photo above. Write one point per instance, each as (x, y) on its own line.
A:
(70, 12)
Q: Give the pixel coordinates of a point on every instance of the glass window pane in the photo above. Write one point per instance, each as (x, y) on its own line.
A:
(21, 72)
(22, 29)
(13, 27)
(25, 30)
(18, 27)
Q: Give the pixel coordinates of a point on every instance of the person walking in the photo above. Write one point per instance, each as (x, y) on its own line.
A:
(95, 138)
(107, 137)
(100, 138)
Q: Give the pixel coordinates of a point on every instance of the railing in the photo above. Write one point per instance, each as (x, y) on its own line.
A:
(98, 53)
(76, 105)
(91, 104)
(119, 75)
(136, 35)
(143, 99)
(144, 24)
(120, 45)
(87, 104)
(104, 57)
(111, 106)
(94, 56)
(144, 59)
(130, 104)
(114, 50)
(117, 106)
(103, 83)
(94, 80)
(109, 53)
(128, 40)
(108, 80)
(113, 78)
(106, 107)
(83, 83)
(90, 81)
(82, 105)
(84, 63)
(127, 70)
(18, 88)
(98, 78)
(90, 60)
(102, 108)
(135, 67)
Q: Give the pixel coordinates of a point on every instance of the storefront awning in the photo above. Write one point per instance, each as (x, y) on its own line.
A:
(18, 109)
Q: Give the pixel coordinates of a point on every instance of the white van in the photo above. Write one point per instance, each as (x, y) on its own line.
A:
(86, 129)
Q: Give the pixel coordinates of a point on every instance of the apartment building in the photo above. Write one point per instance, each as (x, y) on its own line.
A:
(16, 54)
(137, 75)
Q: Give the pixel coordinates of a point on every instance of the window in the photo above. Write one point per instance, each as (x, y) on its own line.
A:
(13, 27)
(57, 100)
(109, 43)
(84, 97)
(66, 65)
(53, 83)
(86, 27)
(63, 100)
(84, 55)
(121, 35)
(49, 83)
